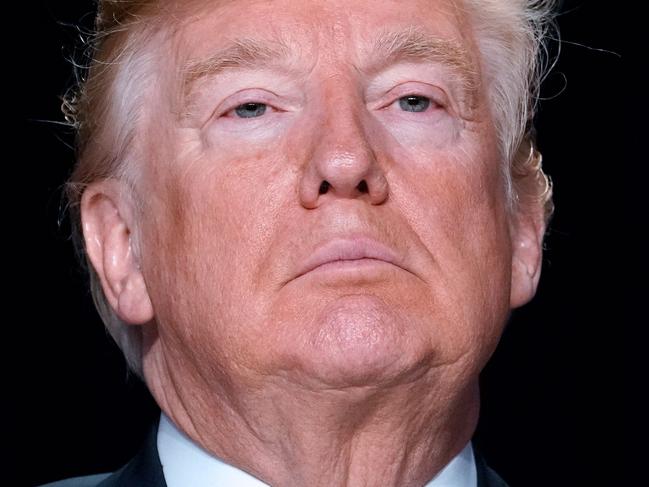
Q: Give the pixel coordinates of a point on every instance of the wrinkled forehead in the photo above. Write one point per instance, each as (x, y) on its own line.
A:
(211, 37)
(333, 26)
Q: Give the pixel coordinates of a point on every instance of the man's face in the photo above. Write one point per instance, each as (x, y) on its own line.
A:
(309, 132)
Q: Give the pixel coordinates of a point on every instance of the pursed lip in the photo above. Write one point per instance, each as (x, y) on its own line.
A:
(349, 249)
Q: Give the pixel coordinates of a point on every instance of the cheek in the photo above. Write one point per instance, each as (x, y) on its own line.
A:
(457, 208)
(458, 192)
(210, 226)
(211, 220)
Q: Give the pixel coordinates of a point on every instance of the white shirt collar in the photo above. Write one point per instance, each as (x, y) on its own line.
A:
(185, 463)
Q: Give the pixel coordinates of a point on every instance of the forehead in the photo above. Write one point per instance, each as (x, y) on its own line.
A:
(316, 29)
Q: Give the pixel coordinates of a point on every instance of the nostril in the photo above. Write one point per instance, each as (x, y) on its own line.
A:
(362, 187)
(324, 187)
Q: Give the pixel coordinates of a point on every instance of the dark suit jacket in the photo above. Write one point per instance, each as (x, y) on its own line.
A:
(145, 470)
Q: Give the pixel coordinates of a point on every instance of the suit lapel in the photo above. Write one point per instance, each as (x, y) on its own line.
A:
(144, 470)
(486, 476)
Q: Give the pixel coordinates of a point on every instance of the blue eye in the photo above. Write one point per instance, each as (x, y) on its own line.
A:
(250, 110)
(413, 103)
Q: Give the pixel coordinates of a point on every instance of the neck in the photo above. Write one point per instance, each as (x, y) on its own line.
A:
(400, 434)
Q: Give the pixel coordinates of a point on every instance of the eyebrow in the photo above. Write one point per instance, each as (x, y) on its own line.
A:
(410, 45)
(242, 53)
(413, 45)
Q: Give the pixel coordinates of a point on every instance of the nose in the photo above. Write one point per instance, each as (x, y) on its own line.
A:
(342, 163)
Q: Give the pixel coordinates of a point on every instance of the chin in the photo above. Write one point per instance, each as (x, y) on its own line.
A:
(359, 341)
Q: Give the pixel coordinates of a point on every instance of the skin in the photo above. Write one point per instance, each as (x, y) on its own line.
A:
(355, 375)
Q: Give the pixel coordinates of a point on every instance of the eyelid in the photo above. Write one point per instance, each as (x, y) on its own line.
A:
(426, 90)
(232, 110)
(241, 97)
(246, 96)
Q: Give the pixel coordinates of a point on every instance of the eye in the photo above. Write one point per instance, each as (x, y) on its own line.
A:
(250, 110)
(414, 103)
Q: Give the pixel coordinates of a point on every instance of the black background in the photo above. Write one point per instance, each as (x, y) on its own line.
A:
(550, 395)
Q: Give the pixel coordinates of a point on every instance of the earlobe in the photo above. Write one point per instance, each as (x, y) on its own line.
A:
(106, 218)
(527, 253)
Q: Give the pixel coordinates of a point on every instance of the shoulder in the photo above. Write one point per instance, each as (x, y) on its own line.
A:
(144, 470)
(86, 481)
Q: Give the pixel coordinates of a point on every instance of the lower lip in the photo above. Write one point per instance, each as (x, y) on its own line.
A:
(351, 265)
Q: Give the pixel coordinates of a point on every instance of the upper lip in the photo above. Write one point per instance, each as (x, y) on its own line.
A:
(349, 248)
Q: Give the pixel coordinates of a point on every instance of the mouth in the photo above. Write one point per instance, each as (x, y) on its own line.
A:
(349, 253)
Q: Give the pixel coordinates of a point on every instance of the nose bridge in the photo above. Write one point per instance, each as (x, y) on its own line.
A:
(343, 157)
(343, 148)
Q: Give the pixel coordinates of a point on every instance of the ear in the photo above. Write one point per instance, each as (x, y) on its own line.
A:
(107, 222)
(527, 230)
